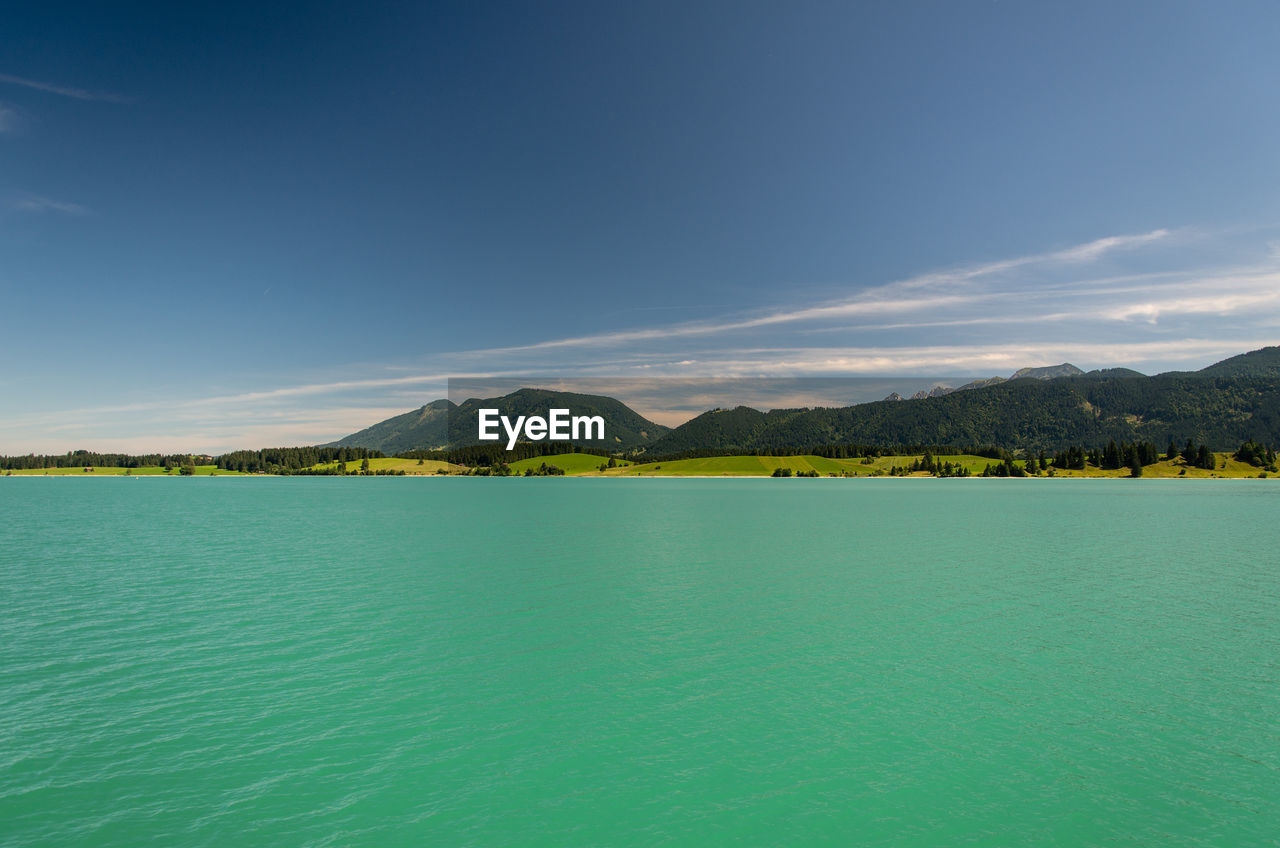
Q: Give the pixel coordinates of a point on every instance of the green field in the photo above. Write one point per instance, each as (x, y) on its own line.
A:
(588, 465)
(763, 466)
(390, 463)
(1165, 468)
(112, 471)
(571, 463)
(758, 466)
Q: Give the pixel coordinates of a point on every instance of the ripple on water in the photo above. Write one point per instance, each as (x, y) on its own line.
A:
(470, 662)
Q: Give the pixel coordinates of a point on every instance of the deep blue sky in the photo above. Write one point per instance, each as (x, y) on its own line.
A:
(227, 227)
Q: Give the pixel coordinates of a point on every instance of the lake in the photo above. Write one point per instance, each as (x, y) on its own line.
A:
(399, 661)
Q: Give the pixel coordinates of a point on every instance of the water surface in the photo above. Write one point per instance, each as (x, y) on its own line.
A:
(396, 661)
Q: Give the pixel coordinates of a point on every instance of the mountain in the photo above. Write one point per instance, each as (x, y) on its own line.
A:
(426, 426)
(442, 423)
(1255, 363)
(1049, 372)
(624, 428)
(1038, 408)
(727, 429)
(1222, 406)
(1113, 373)
(981, 384)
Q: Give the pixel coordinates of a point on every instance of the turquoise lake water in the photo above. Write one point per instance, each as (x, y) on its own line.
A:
(394, 661)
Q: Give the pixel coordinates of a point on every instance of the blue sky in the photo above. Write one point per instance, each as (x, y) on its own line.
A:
(236, 226)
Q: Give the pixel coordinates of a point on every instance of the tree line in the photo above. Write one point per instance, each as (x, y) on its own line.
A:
(490, 456)
(291, 460)
(92, 459)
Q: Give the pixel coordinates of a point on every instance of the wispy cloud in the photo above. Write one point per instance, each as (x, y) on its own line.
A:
(37, 203)
(1182, 310)
(1095, 249)
(947, 289)
(1216, 304)
(1000, 359)
(65, 90)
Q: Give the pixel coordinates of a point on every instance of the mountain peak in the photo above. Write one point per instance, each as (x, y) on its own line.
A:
(1262, 362)
(441, 423)
(1048, 372)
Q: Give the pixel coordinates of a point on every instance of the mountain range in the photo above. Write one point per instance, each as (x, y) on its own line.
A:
(443, 423)
(1035, 408)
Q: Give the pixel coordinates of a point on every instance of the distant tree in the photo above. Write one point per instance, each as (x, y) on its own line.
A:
(1255, 454)
(187, 470)
(1111, 457)
(364, 465)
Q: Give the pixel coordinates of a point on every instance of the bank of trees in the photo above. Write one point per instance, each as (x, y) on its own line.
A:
(1131, 455)
(292, 460)
(92, 459)
(490, 455)
(1259, 456)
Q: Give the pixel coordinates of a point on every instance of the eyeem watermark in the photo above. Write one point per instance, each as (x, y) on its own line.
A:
(558, 426)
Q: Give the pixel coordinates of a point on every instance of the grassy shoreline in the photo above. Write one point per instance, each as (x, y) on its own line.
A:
(588, 465)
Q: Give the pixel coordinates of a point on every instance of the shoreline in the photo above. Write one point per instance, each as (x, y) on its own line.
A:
(618, 477)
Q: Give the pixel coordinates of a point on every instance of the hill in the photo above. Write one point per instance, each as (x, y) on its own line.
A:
(1221, 406)
(1256, 363)
(442, 423)
(1113, 373)
(624, 428)
(1049, 372)
(1036, 408)
(425, 427)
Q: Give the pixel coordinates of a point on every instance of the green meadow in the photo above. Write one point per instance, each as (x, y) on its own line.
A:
(1225, 468)
(392, 464)
(115, 471)
(571, 463)
(764, 466)
(588, 465)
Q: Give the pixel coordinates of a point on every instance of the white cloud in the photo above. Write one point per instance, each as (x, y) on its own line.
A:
(64, 90)
(36, 203)
(952, 289)
(1216, 304)
(972, 359)
(1040, 309)
(1095, 249)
